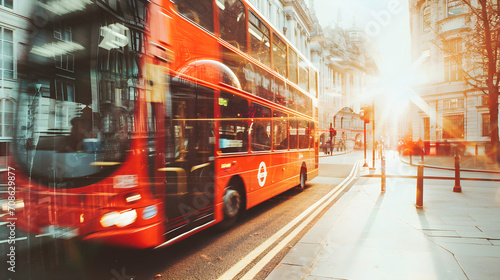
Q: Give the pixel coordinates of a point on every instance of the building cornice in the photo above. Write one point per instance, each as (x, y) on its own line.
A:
(11, 13)
(302, 12)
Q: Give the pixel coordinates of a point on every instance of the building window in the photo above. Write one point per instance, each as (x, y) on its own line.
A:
(7, 3)
(483, 100)
(452, 69)
(6, 117)
(65, 61)
(485, 127)
(137, 39)
(453, 46)
(453, 126)
(65, 91)
(454, 7)
(6, 53)
(426, 19)
(427, 128)
(63, 32)
(455, 103)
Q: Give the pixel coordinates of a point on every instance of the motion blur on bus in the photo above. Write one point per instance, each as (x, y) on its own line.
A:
(140, 123)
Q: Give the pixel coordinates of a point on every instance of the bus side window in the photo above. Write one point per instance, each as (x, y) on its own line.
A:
(233, 129)
(292, 66)
(232, 22)
(280, 137)
(303, 134)
(199, 11)
(312, 135)
(303, 75)
(259, 40)
(293, 141)
(260, 128)
(279, 55)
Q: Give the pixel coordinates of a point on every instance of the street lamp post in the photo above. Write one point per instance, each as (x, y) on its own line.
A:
(364, 142)
(365, 116)
(372, 111)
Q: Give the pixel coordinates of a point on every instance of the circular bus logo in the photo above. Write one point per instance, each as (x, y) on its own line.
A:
(262, 174)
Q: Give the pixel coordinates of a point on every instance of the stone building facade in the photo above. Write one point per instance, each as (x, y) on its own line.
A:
(453, 111)
(14, 24)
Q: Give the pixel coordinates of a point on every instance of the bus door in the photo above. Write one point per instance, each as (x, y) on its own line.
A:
(189, 157)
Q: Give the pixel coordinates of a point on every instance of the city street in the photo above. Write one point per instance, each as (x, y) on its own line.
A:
(368, 234)
(249, 139)
(207, 255)
(453, 236)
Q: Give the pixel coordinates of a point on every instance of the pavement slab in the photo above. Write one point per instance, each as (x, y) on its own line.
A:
(372, 235)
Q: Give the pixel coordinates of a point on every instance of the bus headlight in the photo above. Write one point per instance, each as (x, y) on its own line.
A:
(149, 212)
(109, 219)
(12, 205)
(120, 219)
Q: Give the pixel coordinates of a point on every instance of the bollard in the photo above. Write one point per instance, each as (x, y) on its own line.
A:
(457, 187)
(411, 157)
(382, 186)
(420, 185)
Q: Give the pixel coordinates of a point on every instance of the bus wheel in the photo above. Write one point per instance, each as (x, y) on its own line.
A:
(303, 179)
(232, 207)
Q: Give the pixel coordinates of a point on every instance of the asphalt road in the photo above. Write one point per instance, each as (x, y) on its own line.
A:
(208, 255)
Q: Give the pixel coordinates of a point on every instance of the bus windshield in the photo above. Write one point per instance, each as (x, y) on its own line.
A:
(78, 86)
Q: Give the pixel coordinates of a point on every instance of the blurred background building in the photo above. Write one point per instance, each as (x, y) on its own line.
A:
(14, 24)
(453, 111)
(339, 54)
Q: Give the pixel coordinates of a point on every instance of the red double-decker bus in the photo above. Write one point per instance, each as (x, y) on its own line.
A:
(140, 123)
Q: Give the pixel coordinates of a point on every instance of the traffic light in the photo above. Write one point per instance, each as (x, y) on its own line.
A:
(366, 112)
(333, 133)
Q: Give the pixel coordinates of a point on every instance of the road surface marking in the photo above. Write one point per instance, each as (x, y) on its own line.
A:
(320, 205)
(17, 239)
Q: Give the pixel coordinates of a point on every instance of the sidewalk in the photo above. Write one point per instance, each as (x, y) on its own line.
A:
(369, 235)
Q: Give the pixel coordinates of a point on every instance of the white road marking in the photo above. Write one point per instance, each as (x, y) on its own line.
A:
(17, 239)
(320, 205)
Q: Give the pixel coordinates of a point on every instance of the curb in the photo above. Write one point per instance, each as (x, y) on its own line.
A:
(453, 169)
(347, 152)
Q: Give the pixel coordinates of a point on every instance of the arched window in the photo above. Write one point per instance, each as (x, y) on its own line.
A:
(6, 118)
(426, 19)
(454, 8)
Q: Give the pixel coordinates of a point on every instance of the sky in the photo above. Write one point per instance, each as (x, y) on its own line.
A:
(386, 22)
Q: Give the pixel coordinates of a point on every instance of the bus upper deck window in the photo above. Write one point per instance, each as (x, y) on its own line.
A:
(199, 11)
(232, 22)
(279, 55)
(292, 67)
(259, 40)
(303, 75)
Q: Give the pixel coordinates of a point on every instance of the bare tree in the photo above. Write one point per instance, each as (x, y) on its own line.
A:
(479, 60)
